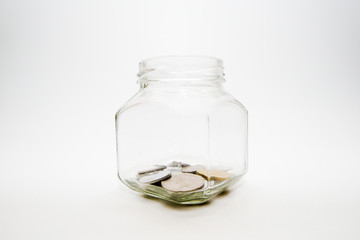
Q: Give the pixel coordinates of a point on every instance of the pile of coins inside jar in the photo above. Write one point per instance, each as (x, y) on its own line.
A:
(182, 177)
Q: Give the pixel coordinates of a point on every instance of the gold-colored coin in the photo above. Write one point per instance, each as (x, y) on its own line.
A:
(214, 174)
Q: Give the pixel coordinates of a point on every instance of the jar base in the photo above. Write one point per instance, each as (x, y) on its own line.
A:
(210, 190)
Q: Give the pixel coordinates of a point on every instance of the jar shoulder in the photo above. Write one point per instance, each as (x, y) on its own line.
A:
(202, 100)
(133, 101)
(231, 99)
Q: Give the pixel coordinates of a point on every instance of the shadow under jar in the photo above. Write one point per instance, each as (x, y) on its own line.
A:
(181, 137)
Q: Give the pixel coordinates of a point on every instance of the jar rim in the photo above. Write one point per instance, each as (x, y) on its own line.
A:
(181, 58)
(181, 68)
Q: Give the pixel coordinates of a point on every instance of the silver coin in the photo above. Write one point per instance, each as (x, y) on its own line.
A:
(178, 164)
(185, 164)
(183, 182)
(174, 164)
(192, 169)
(155, 177)
(153, 169)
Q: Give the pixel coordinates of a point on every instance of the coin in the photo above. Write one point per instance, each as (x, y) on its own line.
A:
(222, 168)
(192, 169)
(185, 164)
(155, 177)
(153, 169)
(178, 164)
(220, 175)
(214, 174)
(183, 182)
(205, 173)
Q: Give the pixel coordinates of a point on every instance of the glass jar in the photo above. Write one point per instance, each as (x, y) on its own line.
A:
(181, 137)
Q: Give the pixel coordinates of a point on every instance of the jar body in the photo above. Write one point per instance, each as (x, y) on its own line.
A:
(175, 125)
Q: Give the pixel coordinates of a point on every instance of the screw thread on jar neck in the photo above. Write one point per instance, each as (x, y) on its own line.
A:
(181, 70)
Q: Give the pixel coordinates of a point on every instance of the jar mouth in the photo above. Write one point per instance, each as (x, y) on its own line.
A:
(180, 69)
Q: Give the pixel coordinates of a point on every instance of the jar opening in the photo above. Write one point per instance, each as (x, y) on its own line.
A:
(181, 69)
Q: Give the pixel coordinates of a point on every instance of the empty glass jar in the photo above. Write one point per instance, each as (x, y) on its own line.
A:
(181, 137)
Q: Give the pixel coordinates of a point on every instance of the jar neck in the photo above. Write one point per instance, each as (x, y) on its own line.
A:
(182, 86)
(182, 72)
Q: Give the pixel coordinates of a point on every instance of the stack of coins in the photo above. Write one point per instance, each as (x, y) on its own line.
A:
(181, 177)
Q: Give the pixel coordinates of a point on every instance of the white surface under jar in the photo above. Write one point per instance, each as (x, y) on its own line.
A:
(181, 116)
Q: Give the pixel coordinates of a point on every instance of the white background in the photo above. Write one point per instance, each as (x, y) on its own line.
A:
(66, 66)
